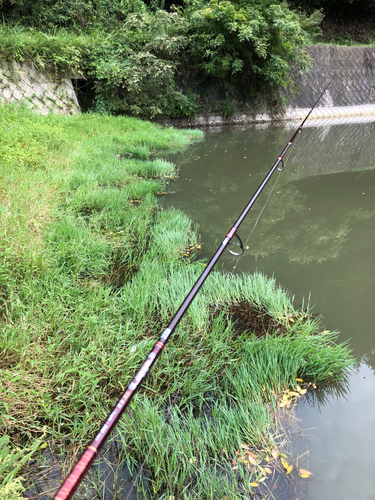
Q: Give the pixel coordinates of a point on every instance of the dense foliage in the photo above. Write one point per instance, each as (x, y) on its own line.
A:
(134, 67)
(337, 8)
(72, 14)
(139, 57)
(259, 37)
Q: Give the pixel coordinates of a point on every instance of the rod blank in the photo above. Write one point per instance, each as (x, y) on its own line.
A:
(75, 477)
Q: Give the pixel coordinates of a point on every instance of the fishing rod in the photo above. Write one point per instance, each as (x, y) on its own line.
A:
(75, 477)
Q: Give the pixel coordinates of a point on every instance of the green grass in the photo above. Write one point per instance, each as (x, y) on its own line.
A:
(91, 266)
(11, 461)
(60, 51)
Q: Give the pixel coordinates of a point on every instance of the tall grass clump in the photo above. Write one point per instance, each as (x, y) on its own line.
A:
(58, 52)
(92, 269)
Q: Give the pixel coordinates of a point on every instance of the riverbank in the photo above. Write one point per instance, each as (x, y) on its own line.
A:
(92, 269)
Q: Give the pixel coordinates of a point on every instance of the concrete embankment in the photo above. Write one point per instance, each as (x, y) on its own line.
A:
(351, 93)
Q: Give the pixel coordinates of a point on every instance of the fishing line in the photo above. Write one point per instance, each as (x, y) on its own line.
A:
(75, 477)
(285, 159)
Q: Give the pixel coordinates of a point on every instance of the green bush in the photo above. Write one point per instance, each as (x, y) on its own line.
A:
(246, 39)
(73, 14)
(134, 68)
(337, 8)
(139, 58)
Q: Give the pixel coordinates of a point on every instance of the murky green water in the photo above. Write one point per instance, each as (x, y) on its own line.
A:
(316, 236)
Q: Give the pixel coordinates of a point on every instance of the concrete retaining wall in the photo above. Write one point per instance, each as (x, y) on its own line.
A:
(353, 73)
(38, 90)
(351, 93)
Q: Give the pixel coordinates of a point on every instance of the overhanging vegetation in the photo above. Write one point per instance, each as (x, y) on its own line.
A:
(146, 61)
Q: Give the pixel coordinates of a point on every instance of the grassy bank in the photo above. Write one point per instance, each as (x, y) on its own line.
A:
(91, 270)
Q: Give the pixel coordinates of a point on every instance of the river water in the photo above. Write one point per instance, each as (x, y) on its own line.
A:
(316, 236)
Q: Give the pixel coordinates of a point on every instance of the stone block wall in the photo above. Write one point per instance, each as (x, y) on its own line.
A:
(351, 94)
(352, 70)
(38, 90)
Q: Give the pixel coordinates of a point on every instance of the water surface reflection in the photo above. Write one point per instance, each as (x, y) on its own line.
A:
(316, 236)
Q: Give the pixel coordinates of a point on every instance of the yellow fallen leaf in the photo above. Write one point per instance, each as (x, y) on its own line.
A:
(292, 393)
(267, 458)
(289, 469)
(254, 485)
(262, 479)
(282, 404)
(244, 446)
(303, 392)
(305, 476)
(262, 470)
(285, 463)
(326, 331)
(192, 460)
(274, 454)
(252, 461)
(299, 380)
(299, 388)
(269, 471)
(304, 471)
(285, 397)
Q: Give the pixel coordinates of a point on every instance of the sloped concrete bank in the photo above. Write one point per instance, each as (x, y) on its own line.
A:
(350, 94)
(39, 90)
